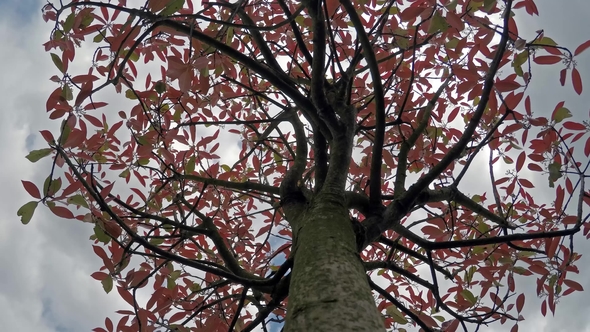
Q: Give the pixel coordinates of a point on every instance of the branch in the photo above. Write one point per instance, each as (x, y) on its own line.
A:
(401, 172)
(379, 97)
(278, 79)
(289, 188)
(268, 55)
(373, 265)
(318, 79)
(399, 305)
(296, 33)
(458, 148)
(258, 282)
(395, 245)
(453, 194)
(247, 185)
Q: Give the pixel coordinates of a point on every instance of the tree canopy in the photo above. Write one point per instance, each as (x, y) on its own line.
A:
(326, 165)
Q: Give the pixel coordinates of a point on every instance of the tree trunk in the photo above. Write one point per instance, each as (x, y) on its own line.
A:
(329, 289)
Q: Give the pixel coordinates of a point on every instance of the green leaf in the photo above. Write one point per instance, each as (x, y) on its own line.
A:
(160, 87)
(36, 155)
(66, 130)
(437, 23)
(229, 36)
(520, 59)
(99, 37)
(171, 280)
(170, 283)
(66, 92)
(101, 235)
(77, 200)
(452, 43)
(396, 315)
(190, 166)
(560, 114)
(99, 158)
(26, 211)
(129, 94)
(488, 5)
(57, 62)
(469, 296)
(58, 35)
(554, 173)
(172, 7)
(107, 284)
(476, 198)
(545, 41)
(195, 287)
(134, 57)
(69, 22)
(51, 186)
(124, 174)
(156, 241)
(86, 21)
(520, 270)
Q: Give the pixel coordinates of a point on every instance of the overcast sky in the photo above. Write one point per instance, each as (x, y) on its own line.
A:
(45, 267)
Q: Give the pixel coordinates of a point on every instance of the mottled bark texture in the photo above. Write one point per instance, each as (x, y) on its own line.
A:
(329, 289)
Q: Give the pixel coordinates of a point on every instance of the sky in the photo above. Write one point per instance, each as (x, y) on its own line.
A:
(45, 282)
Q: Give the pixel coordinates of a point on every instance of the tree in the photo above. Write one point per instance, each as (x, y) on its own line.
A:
(307, 162)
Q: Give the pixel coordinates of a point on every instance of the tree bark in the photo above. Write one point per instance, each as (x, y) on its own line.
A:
(329, 290)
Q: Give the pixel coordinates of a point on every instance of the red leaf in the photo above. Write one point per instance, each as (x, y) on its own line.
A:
(139, 278)
(544, 308)
(157, 5)
(411, 13)
(535, 167)
(587, 147)
(520, 161)
(574, 125)
(62, 212)
(573, 284)
(95, 105)
(126, 295)
(526, 183)
(552, 247)
(99, 276)
(507, 85)
(47, 135)
(562, 76)
(108, 324)
(560, 192)
(432, 231)
(497, 300)
(332, 6)
(582, 47)
(85, 91)
(547, 59)
(569, 220)
(577, 81)
(32, 189)
(96, 122)
(519, 302)
(103, 255)
(455, 21)
(106, 190)
(538, 269)
(178, 316)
